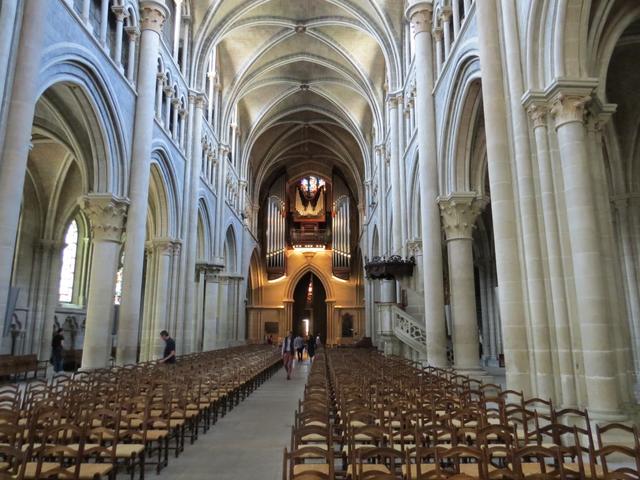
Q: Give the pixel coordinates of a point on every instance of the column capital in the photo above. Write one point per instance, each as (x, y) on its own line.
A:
(163, 246)
(197, 98)
(446, 13)
(437, 33)
(133, 32)
(459, 212)
(107, 214)
(394, 99)
(153, 14)
(168, 91)
(570, 107)
(120, 12)
(420, 14)
(161, 77)
(538, 113)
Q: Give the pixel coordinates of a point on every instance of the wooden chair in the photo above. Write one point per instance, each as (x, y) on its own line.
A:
(308, 463)
(546, 462)
(380, 462)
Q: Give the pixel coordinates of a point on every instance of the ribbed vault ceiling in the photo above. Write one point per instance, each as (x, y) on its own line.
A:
(308, 77)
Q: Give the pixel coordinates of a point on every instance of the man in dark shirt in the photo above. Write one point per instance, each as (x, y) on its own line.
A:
(169, 348)
(57, 347)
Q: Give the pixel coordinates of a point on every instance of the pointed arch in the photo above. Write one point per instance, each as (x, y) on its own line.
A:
(300, 273)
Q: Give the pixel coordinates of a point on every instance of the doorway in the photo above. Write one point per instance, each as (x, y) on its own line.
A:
(310, 307)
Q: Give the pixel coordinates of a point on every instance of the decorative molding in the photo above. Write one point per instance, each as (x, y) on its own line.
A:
(459, 213)
(107, 214)
(153, 14)
(420, 14)
(569, 108)
(538, 114)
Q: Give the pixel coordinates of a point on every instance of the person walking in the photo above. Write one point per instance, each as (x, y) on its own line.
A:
(57, 349)
(169, 348)
(298, 344)
(311, 347)
(287, 353)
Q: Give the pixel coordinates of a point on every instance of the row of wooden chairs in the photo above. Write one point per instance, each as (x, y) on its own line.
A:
(379, 417)
(96, 424)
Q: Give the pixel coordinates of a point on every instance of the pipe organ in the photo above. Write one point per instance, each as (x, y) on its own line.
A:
(308, 212)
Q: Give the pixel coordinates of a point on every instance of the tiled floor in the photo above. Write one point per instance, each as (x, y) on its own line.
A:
(249, 441)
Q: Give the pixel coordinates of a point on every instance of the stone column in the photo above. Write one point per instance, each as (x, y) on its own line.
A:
(528, 210)
(446, 28)
(558, 291)
(133, 33)
(160, 77)
(599, 359)
(459, 213)
(220, 202)
(174, 126)
(437, 33)
(456, 18)
(419, 13)
(16, 145)
(502, 201)
(120, 13)
(380, 152)
(397, 181)
(211, 308)
(177, 22)
(223, 313)
(163, 250)
(42, 343)
(197, 100)
(106, 214)
(622, 208)
(153, 15)
(104, 22)
(168, 95)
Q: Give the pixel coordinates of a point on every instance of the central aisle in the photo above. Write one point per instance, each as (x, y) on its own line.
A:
(249, 441)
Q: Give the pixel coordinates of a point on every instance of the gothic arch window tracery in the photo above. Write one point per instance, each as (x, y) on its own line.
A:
(69, 261)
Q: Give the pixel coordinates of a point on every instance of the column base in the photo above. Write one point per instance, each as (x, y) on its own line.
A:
(477, 373)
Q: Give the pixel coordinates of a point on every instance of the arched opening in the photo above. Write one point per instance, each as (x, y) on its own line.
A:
(310, 307)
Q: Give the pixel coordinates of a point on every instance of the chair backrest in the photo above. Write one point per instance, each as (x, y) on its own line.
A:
(546, 461)
(392, 459)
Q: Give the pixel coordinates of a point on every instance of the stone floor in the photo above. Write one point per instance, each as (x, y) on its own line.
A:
(249, 441)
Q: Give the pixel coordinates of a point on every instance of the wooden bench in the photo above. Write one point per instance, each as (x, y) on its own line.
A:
(21, 365)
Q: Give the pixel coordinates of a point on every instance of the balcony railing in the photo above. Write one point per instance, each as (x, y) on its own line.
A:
(309, 238)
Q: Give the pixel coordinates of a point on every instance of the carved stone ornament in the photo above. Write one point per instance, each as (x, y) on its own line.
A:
(153, 14)
(107, 214)
(389, 267)
(420, 15)
(459, 213)
(538, 114)
(569, 108)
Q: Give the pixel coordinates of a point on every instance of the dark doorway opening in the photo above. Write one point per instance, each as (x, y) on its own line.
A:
(310, 307)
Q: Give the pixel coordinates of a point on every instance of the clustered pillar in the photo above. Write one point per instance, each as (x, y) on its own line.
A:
(106, 214)
(153, 13)
(459, 213)
(420, 15)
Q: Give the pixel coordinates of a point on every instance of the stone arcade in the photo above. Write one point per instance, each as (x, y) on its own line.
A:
(225, 170)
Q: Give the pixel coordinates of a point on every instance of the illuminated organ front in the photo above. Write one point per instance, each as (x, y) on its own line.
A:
(307, 213)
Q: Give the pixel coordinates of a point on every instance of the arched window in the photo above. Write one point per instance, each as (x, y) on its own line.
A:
(68, 272)
(117, 297)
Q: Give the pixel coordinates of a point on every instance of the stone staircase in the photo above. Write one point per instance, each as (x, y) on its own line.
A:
(408, 330)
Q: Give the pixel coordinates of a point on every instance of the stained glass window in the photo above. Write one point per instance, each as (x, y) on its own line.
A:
(67, 274)
(310, 185)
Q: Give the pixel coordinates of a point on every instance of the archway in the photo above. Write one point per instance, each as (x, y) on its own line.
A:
(310, 307)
